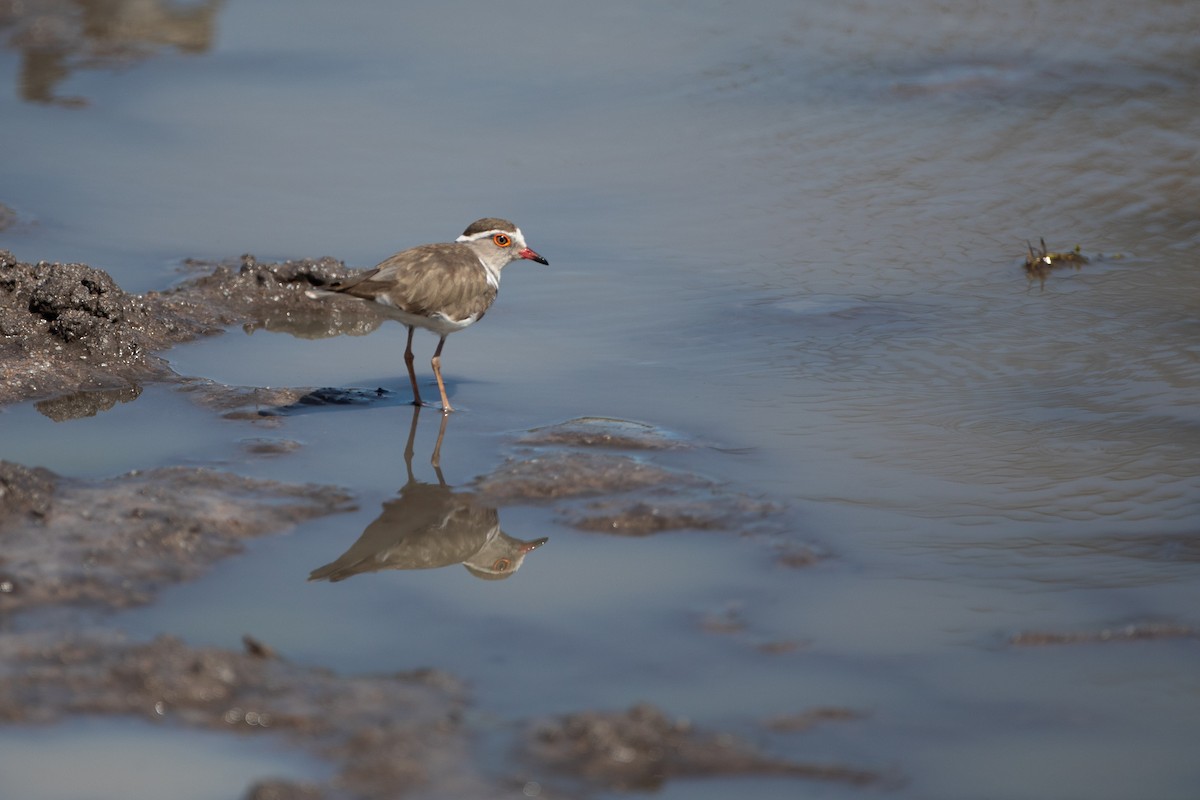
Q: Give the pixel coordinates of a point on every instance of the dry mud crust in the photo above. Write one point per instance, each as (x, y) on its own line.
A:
(113, 543)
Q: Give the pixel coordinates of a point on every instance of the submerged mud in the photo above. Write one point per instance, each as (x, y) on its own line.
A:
(114, 543)
(577, 466)
(392, 735)
(640, 749)
(386, 734)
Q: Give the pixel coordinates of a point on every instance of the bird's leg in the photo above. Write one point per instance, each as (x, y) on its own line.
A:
(408, 446)
(437, 372)
(436, 458)
(408, 362)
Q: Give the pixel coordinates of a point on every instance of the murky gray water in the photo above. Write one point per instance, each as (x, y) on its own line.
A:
(790, 231)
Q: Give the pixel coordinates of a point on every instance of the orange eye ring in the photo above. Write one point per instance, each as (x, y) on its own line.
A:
(501, 565)
(501, 240)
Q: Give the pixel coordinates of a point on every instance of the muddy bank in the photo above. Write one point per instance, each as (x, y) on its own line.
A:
(70, 329)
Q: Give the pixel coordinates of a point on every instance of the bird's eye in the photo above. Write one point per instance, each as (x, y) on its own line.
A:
(501, 240)
(501, 564)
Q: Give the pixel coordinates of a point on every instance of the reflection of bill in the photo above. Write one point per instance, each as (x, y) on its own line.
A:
(430, 526)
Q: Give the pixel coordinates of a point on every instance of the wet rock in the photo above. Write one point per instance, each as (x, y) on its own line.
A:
(115, 542)
(640, 749)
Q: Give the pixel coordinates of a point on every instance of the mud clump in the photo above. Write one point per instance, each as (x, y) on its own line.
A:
(640, 749)
(66, 327)
(70, 329)
(271, 295)
(114, 543)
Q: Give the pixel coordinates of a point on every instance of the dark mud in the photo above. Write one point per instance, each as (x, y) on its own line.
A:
(70, 329)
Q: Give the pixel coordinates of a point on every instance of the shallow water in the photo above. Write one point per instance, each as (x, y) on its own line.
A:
(793, 233)
(136, 760)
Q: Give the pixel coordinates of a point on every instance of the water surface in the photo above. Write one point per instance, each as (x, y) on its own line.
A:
(790, 232)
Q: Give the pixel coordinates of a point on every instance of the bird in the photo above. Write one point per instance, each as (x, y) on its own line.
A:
(442, 287)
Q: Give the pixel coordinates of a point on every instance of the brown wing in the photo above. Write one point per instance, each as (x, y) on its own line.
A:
(446, 278)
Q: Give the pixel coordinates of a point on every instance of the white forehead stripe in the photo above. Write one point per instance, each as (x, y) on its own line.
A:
(489, 234)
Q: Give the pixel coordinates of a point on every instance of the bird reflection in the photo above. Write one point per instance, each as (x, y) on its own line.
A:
(430, 526)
